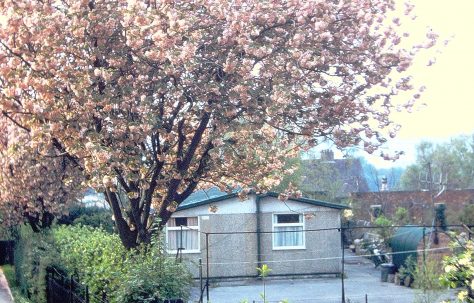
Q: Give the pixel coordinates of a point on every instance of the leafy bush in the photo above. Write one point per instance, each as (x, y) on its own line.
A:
(92, 216)
(427, 282)
(427, 275)
(401, 216)
(34, 252)
(459, 272)
(385, 231)
(9, 272)
(92, 254)
(127, 276)
(151, 277)
(408, 269)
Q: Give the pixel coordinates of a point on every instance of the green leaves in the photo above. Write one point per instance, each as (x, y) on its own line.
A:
(459, 272)
(144, 274)
(263, 270)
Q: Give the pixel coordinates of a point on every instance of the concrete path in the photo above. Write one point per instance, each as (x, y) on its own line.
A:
(5, 294)
(362, 280)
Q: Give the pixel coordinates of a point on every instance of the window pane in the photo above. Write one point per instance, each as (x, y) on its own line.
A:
(171, 222)
(288, 236)
(288, 218)
(187, 239)
(181, 221)
(192, 221)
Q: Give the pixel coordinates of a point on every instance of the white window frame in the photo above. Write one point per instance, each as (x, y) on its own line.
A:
(178, 228)
(276, 225)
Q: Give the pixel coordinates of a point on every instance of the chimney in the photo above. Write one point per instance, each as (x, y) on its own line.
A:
(327, 155)
(384, 184)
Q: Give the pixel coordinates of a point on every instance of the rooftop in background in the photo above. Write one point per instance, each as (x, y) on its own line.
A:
(335, 177)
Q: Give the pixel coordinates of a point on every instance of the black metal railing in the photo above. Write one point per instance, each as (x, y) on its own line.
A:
(63, 289)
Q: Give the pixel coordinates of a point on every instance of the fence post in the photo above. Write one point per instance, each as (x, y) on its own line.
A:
(87, 294)
(207, 267)
(366, 299)
(343, 295)
(48, 288)
(200, 281)
(180, 249)
(424, 246)
(71, 289)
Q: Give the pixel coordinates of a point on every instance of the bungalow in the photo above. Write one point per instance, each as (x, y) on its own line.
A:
(298, 236)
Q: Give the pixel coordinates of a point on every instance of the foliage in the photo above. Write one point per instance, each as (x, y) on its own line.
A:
(459, 272)
(385, 231)
(427, 275)
(401, 216)
(263, 272)
(33, 254)
(294, 170)
(150, 101)
(153, 275)
(452, 162)
(92, 254)
(89, 215)
(324, 178)
(9, 272)
(144, 274)
(427, 282)
(35, 185)
(408, 269)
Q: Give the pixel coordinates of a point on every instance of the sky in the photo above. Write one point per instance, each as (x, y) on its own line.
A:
(446, 108)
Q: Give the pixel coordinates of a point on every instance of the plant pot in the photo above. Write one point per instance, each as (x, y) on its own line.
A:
(407, 281)
(397, 280)
(391, 278)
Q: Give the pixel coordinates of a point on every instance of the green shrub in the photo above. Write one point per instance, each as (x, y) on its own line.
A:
(92, 254)
(9, 272)
(385, 231)
(151, 277)
(459, 272)
(34, 252)
(127, 276)
(401, 216)
(92, 216)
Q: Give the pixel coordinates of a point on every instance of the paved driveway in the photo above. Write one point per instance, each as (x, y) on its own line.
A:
(362, 279)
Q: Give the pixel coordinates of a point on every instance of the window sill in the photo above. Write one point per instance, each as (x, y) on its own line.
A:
(289, 248)
(174, 252)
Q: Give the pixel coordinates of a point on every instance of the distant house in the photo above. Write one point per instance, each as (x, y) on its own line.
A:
(333, 177)
(242, 235)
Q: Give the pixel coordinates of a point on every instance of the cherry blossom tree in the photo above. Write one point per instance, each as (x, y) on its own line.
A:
(152, 100)
(35, 185)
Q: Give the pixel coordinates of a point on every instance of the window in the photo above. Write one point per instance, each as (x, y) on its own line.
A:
(288, 231)
(183, 233)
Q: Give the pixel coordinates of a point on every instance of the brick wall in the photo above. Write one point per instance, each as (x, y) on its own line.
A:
(418, 203)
